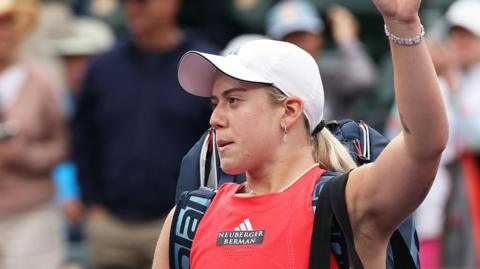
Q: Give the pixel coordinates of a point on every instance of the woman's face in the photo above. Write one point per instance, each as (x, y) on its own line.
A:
(8, 36)
(247, 123)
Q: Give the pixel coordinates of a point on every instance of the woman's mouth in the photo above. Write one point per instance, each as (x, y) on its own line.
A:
(223, 145)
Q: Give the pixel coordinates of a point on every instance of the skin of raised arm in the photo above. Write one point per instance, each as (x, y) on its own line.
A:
(161, 257)
(381, 194)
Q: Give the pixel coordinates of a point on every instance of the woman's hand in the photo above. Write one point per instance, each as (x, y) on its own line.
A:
(401, 11)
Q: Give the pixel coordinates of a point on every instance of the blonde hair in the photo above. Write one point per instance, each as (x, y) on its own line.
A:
(326, 149)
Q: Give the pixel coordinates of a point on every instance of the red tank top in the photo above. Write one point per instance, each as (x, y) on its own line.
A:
(263, 231)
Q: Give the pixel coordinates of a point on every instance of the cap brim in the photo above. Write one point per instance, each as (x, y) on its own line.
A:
(465, 25)
(196, 71)
(464, 14)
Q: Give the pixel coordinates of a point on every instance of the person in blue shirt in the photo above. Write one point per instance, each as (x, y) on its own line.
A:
(85, 38)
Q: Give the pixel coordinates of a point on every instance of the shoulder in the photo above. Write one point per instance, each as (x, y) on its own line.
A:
(324, 177)
(38, 76)
(34, 71)
(206, 194)
(41, 87)
(101, 67)
(228, 186)
(117, 53)
(226, 190)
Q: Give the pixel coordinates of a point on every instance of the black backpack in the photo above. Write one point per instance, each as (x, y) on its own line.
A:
(364, 144)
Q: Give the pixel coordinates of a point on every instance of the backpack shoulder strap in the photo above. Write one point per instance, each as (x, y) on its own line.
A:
(320, 238)
(324, 178)
(409, 237)
(401, 254)
(339, 208)
(327, 236)
(190, 210)
(332, 228)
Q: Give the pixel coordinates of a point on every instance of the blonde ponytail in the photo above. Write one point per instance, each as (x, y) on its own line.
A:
(326, 149)
(330, 153)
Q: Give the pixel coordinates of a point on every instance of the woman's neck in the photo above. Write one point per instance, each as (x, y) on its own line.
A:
(277, 175)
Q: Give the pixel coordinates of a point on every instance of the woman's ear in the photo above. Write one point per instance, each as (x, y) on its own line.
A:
(293, 110)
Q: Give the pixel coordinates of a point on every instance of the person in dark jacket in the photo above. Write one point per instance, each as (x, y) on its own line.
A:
(129, 138)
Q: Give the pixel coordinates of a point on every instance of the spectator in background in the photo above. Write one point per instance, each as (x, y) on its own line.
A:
(129, 139)
(85, 38)
(462, 240)
(53, 20)
(33, 141)
(212, 17)
(464, 36)
(346, 78)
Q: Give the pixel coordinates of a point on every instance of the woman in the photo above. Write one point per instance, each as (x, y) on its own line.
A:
(32, 141)
(268, 105)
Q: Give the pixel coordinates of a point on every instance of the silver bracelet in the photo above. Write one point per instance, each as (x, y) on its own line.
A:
(406, 41)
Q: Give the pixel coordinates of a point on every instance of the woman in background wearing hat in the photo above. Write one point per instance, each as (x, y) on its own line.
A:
(462, 236)
(32, 141)
(267, 109)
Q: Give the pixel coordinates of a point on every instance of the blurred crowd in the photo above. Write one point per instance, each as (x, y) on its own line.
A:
(93, 124)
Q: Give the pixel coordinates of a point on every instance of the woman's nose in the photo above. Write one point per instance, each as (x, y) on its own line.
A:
(217, 119)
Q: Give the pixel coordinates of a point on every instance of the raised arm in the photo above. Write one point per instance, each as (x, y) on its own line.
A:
(382, 194)
(355, 73)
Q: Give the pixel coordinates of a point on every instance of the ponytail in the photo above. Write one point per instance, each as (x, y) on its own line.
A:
(326, 149)
(330, 153)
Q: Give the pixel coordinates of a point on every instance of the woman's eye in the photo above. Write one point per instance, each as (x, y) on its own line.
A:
(232, 100)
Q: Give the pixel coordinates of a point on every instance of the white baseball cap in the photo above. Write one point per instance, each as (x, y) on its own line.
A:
(292, 16)
(240, 40)
(280, 64)
(466, 14)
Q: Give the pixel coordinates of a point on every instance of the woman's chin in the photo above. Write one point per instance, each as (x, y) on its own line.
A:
(231, 169)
